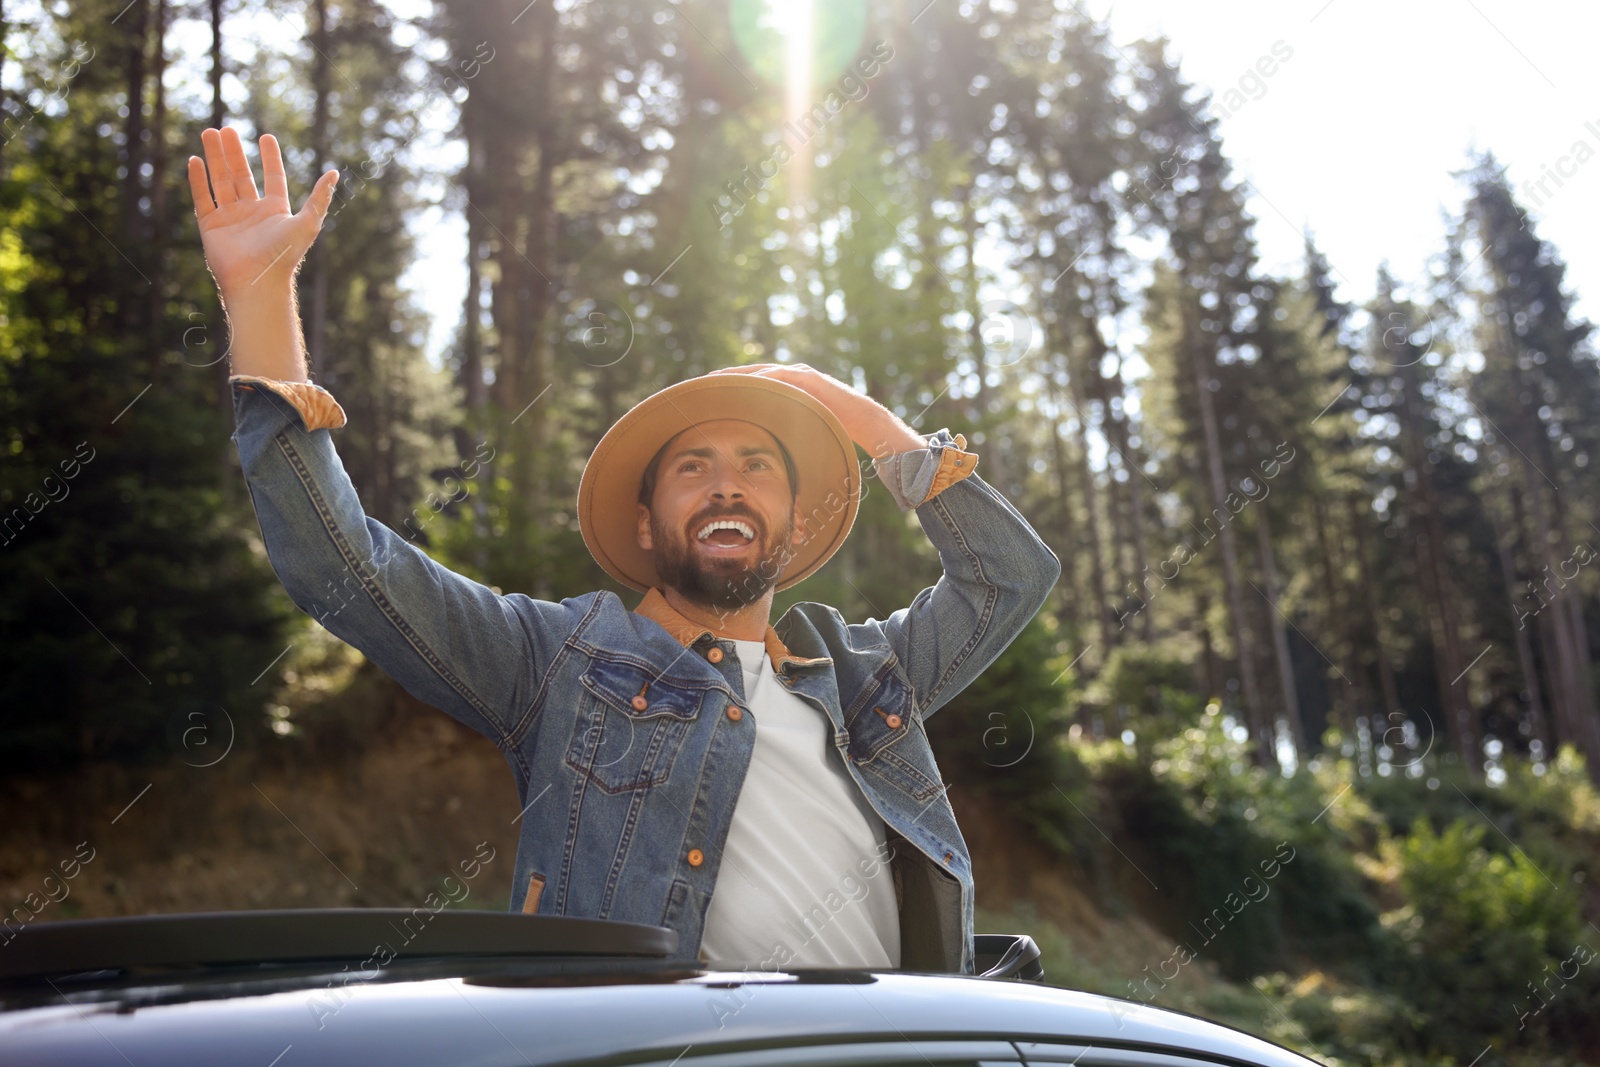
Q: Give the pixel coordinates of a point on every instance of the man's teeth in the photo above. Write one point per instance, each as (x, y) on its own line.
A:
(727, 524)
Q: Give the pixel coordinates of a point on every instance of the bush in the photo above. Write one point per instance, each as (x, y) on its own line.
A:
(1239, 846)
(1494, 949)
(1144, 688)
(1004, 735)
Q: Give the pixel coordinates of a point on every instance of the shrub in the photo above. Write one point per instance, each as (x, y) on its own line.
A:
(1147, 689)
(1493, 946)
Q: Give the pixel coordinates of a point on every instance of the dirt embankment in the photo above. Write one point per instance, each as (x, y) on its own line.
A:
(376, 813)
(373, 818)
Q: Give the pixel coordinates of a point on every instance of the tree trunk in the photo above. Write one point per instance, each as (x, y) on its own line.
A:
(1141, 557)
(1093, 392)
(1102, 602)
(979, 407)
(1345, 703)
(1439, 602)
(133, 228)
(1385, 666)
(1519, 630)
(1215, 687)
(1116, 427)
(321, 77)
(1569, 660)
(157, 248)
(1578, 635)
(1439, 605)
(470, 362)
(523, 302)
(1280, 636)
(1261, 728)
(474, 388)
(217, 112)
(1070, 547)
(215, 325)
(5, 108)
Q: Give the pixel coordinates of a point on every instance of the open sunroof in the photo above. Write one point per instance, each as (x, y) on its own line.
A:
(284, 936)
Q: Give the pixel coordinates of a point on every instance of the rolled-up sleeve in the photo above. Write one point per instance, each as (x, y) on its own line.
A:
(317, 407)
(913, 478)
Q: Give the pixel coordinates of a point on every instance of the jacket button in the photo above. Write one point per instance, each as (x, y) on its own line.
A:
(715, 655)
(696, 857)
(735, 712)
(893, 721)
(640, 703)
(947, 856)
(960, 462)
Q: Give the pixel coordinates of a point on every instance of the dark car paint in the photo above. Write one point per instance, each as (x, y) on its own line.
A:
(490, 1012)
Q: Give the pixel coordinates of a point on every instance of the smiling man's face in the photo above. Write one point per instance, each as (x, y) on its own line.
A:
(728, 470)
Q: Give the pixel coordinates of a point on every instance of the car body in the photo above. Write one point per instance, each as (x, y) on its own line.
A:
(326, 986)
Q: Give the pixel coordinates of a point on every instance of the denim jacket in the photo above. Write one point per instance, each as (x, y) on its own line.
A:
(626, 802)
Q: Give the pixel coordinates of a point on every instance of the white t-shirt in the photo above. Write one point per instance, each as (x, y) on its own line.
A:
(804, 879)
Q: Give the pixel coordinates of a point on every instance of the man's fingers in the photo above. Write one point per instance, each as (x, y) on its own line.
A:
(748, 368)
(203, 205)
(217, 167)
(758, 368)
(244, 182)
(273, 177)
(316, 205)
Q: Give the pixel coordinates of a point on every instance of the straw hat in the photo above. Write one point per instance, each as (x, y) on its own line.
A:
(824, 457)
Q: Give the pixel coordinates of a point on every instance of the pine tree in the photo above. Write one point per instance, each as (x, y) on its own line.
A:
(131, 596)
(1537, 395)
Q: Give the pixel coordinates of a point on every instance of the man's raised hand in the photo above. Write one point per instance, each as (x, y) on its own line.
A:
(250, 238)
(871, 425)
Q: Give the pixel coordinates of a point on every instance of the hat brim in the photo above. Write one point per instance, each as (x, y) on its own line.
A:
(824, 457)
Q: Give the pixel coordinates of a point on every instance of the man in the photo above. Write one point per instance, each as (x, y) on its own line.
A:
(767, 790)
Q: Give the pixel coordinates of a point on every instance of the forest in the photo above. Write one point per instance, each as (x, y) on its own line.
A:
(1326, 566)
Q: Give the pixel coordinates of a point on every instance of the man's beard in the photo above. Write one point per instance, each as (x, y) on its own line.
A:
(721, 585)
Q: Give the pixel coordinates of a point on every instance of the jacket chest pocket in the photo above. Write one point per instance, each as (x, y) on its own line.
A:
(630, 725)
(887, 740)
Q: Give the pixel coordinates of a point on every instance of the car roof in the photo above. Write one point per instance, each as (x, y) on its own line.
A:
(560, 1007)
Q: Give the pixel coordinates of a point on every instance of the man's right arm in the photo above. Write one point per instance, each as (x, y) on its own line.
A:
(448, 640)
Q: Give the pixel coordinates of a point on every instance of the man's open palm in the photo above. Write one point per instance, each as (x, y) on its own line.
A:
(250, 238)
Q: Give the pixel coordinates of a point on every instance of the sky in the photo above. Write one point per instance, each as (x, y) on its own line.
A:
(1352, 138)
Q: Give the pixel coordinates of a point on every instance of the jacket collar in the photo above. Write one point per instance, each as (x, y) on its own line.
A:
(654, 607)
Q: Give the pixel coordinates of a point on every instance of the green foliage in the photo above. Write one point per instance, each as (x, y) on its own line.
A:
(1146, 689)
(1216, 833)
(1480, 941)
(134, 598)
(1551, 815)
(1336, 1023)
(1482, 935)
(1004, 735)
(1559, 794)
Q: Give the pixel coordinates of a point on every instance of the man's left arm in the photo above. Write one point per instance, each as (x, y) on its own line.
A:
(997, 572)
